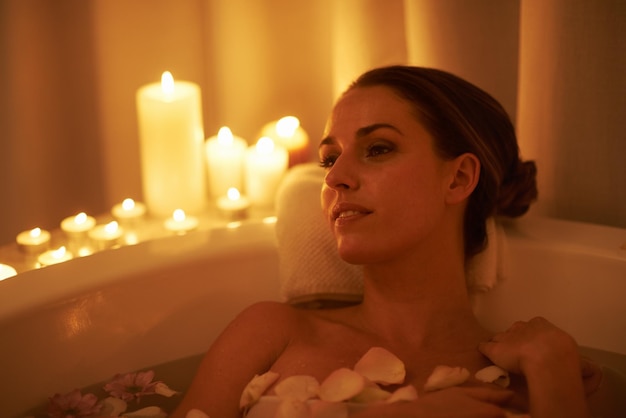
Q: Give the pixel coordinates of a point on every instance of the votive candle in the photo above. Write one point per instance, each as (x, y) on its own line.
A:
(233, 206)
(77, 225)
(180, 222)
(288, 133)
(34, 241)
(6, 271)
(106, 235)
(51, 257)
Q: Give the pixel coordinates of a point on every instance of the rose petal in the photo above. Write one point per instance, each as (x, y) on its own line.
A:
(162, 389)
(322, 409)
(292, 408)
(381, 366)
(341, 385)
(299, 387)
(445, 376)
(256, 387)
(371, 393)
(149, 412)
(494, 374)
(405, 393)
(196, 413)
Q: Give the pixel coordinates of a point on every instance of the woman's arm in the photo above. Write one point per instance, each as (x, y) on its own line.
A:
(248, 346)
(549, 360)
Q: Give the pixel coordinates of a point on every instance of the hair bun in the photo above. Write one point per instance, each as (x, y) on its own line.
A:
(518, 190)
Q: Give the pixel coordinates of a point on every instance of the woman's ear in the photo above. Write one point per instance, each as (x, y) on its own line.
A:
(464, 175)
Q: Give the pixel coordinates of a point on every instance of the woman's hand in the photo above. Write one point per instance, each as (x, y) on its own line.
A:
(549, 360)
(458, 402)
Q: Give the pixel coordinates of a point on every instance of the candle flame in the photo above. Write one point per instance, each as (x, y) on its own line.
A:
(128, 204)
(233, 194)
(111, 227)
(167, 83)
(81, 218)
(35, 233)
(287, 126)
(179, 215)
(58, 253)
(225, 136)
(265, 146)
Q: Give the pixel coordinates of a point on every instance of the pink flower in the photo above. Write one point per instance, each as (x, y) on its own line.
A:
(73, 405)
(132, 385)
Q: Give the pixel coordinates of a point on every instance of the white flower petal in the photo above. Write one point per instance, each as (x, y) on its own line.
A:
(494, 374)
(405, 393)
(292, 408)
(162, 389)
(299, 387)
(341, 385)
(256, 387)
(445, 376)
(196, 413)
(381, 366)
(148, 412)
(113, 407)
(371, 393)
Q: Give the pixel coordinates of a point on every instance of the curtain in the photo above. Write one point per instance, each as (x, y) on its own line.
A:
(70, 70)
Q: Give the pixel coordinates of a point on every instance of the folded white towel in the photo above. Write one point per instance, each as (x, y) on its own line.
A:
(310, 268)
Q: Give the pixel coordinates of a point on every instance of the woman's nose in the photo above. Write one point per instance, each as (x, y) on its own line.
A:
(342, 175)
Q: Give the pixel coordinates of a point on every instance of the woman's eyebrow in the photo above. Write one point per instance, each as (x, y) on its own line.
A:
(362, 132)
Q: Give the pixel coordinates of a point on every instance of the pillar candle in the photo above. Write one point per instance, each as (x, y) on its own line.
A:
(171, 141)
(225, 155)
(266, 163)
(288, 133)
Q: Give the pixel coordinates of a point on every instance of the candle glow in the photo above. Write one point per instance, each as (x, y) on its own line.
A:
(167, 84)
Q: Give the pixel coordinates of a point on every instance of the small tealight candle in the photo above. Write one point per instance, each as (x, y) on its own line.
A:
(233, 206)
(128, 211)
(34, 241)
(180, 223)
(6, 271)
(77, 225)
(106, 235)
(51, 257)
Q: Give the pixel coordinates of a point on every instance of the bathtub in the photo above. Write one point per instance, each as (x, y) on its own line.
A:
(159, 304)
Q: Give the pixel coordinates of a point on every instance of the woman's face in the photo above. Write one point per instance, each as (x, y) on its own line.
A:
(384, 191)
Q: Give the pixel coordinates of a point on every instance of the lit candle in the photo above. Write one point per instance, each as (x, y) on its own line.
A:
(6, 271)
(225, 155)
(288, 133)
(128, 211)
(171, 138)
(233, 206)
(34, 241)
(180, 222)
(106, 235)
(51, 257)
(265, 165)
(77, 225)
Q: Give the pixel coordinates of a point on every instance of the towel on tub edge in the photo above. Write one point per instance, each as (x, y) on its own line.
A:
(311, 272)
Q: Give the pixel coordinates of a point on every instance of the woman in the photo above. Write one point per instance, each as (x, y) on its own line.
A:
(416, 160)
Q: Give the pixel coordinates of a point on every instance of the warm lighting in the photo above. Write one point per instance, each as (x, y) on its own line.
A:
(233, 194)
(233, 225)
(128, 204)
(287, 126)
(59, 253)
(167, 83)
(80, 219)
(265, 146)
(33, 241)
(35, 233)
(54, 257)
(179, 215)
(225, 136)
(268, 220)
(111, 228)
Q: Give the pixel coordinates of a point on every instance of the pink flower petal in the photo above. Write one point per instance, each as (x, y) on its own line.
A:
(341, 385)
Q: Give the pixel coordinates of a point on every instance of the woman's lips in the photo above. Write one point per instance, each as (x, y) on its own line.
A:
(346, 211)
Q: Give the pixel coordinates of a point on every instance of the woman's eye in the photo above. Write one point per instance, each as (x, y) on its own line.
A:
(327, 161)
(379, 149)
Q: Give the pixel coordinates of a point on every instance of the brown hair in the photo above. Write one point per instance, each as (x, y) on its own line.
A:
(462, 118)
